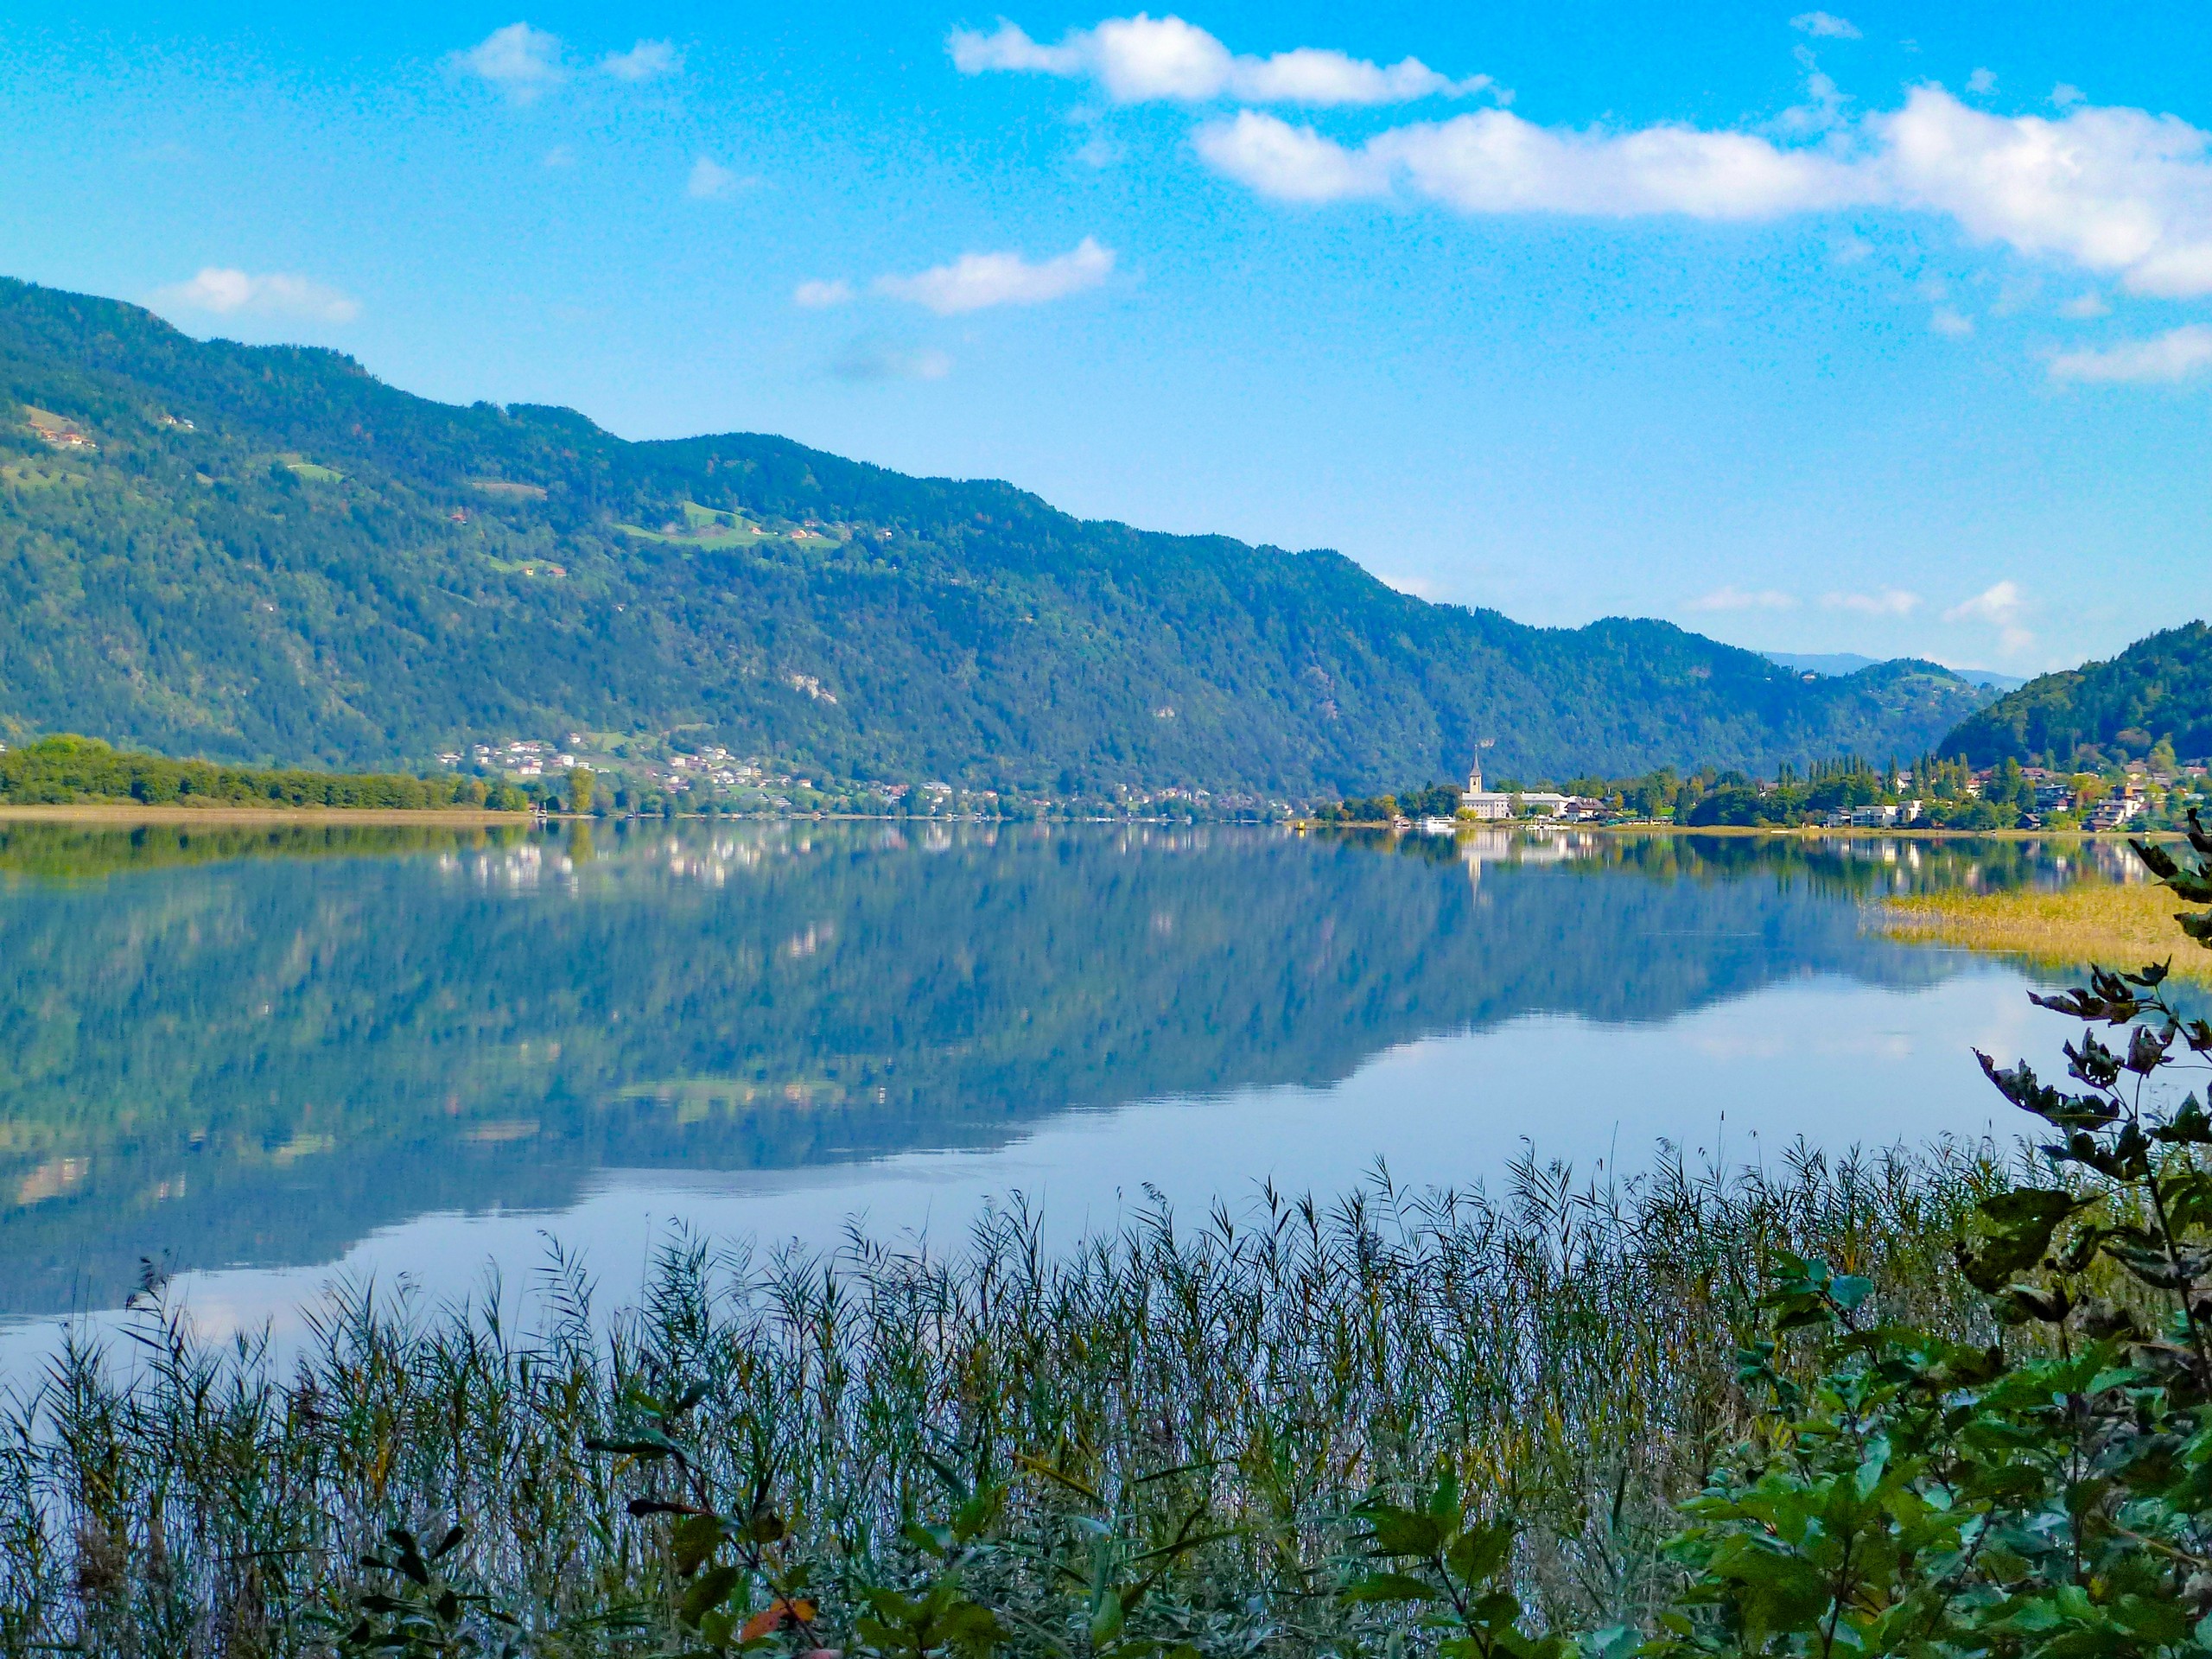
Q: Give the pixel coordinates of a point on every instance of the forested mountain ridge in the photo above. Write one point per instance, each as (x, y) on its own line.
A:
(266, 554)
(2157, 691)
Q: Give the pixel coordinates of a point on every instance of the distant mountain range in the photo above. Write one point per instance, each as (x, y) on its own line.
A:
(1847, 662)
(2158, 691)
(266, 554)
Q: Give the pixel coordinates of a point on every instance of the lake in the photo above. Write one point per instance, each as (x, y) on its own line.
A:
(257, 1060)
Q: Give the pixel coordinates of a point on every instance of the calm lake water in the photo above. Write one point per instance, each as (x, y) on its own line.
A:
(264, 1059)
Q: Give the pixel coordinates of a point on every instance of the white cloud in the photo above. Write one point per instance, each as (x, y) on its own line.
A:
(1144, 59)
(2066, 95)
(2175, 355)
(2001, 607)
(710, 181)
(1981, 82)
(1827, 25)
(820, 296)
(1823, 108)
(2106, 189)
(646, 60)
(1890, 602)
(1009, 48)
(1493, 162)
(2114, 191)
(224, 292)
(521, 61)
(1736, 599)
(976, 281)
(1950, 323)
(874, 360)
(2082, 307)
(1291, 164)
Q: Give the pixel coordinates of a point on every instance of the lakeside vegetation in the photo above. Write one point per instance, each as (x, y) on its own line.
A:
(79, 771)
(1566, 1350)
(1947, 1403)
(2062, 928)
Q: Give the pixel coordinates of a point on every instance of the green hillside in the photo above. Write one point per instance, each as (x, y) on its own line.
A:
(266, 555)
(2159, 690)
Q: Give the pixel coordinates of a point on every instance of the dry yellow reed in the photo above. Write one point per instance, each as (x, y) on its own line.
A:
(2115, 924)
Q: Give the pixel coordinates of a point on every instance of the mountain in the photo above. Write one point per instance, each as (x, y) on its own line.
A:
(1817, 662)
(2159, 690)
(1850, 662)
(267, 555)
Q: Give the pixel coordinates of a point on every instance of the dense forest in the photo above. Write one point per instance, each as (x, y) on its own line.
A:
(265, 555)
(2155, 694)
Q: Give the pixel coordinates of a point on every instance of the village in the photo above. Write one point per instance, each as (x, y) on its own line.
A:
(2097, 802)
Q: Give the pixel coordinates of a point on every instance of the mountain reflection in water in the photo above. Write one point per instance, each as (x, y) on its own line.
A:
(227, 1047)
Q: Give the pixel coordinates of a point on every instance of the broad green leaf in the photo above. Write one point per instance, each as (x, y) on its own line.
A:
(707, 1593)
(1389, 1586)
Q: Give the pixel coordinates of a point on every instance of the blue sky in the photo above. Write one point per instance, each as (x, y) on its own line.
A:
(1884, 329)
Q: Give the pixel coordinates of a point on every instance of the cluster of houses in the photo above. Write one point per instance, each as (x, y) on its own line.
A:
(2055, 792)
(63, 437)
(526, 758)
(716, 768)
(57, 432)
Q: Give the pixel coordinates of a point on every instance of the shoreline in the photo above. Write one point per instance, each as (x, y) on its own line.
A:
(121, 813)
(243, 817)
(1802, 832)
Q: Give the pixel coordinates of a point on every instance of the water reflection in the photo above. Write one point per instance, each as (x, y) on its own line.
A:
(257, 1048)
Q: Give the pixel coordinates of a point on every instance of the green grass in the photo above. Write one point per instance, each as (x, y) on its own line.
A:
(36, 475)
(1570, 1351)
(704, 527)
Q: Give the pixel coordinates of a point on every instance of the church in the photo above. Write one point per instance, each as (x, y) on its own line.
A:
(1488, 804)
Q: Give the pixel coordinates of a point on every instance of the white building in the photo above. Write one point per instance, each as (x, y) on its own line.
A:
(1488, 804)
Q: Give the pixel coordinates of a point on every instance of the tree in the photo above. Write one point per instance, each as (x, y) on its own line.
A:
(579, 789)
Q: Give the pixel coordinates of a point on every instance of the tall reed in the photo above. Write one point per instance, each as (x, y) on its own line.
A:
(1568, 1348)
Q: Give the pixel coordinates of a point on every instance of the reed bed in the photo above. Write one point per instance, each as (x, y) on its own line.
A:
(2111, 922)
(1568, 1348)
